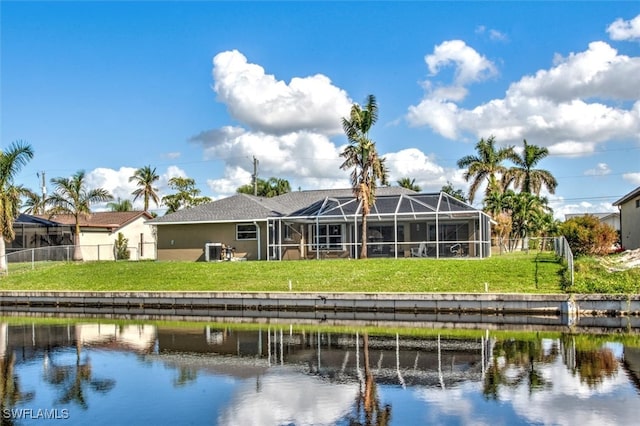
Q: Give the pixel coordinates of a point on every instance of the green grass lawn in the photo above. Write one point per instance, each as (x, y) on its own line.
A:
(592, 277)
(511, 273)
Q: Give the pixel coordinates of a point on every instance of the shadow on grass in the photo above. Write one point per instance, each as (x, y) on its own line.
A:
(547, 257)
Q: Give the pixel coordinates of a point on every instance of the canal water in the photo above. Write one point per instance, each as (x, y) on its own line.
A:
(101, 372)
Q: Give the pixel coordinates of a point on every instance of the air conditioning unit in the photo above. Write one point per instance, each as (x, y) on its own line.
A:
(213, 252)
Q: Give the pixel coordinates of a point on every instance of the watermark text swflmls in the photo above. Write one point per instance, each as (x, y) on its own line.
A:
(34, 414)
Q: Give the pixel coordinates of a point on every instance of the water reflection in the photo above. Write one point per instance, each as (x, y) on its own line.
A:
(208, 374)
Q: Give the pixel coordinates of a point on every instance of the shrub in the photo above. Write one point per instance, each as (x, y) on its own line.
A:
(587, 235)
(120, 247)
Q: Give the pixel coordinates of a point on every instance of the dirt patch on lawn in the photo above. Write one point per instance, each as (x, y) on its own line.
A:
(626, 260)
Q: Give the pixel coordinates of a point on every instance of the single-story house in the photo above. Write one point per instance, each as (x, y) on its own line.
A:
(99, 231)
(33, 232)
(629, 207)
(325, 224)
(611, 218)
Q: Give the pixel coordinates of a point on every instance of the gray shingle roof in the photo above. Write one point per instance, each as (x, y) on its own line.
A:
(243, 207)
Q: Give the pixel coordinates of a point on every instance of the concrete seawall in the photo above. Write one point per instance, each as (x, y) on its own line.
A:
(399, 303)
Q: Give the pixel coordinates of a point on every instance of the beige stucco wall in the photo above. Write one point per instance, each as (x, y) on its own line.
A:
(630, 224)
(187, 242)
(97, 244)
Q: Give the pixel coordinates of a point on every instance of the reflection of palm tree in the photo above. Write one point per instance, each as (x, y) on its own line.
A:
(368, 399)
(73, 378)
(522, 357)
(185, 375)
(10, 393)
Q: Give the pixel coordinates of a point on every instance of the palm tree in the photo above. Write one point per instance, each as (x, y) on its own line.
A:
(526, 208)
(71, 196)
(11, 162)
(266, 188)
(361, 156)
(34, 203)
(525, 176)
(144, 178)
(120, 205)
(485, 165)
(408, 183)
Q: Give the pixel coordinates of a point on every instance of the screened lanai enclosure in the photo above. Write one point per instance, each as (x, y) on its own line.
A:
(417, 225)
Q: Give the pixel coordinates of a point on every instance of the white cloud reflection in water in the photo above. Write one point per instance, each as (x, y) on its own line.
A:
(565, 401)
(285, 396)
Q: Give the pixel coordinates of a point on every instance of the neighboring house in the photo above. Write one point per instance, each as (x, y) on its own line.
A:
(325, 224)
(611, 219)
(629, 207)
(99, 231)
(33, 232)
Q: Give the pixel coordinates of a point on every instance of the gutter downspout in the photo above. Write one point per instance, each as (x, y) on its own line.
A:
(259, 240)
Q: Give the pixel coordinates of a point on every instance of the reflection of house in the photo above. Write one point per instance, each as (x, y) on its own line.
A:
(326, 224)
(99, 231)
(407, 360)
(629, 207)
(30, 340)
(611, 219)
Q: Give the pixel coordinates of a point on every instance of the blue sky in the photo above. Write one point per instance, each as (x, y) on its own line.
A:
(198, 88)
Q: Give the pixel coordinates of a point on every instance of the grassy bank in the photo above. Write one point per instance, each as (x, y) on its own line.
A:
(517, 272)
(510, 273)
(592, 276)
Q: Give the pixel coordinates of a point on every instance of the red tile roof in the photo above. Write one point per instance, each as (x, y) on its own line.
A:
(108, 220)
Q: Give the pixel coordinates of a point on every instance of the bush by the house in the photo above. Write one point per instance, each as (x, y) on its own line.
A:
(588, 236)
(120, 247)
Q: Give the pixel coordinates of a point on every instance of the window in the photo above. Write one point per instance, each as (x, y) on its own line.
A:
(638, 203)
(328, 237)
(246, 231)
(450, 232)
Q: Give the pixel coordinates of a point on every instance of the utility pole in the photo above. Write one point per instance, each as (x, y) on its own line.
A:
(44, 186)
(254, 176)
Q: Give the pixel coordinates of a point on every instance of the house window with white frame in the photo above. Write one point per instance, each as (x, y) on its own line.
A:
(246, 231)
(328, 237)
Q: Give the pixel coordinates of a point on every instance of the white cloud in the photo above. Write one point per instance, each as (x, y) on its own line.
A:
(114, 181)
(414, 164)
(493, 34)
(234, 177)
(625, 30)
(562, 207)
(470, 66)
(634, 178)
(563, 108)
(288, 127)
(118, 185)
(497, 35)
(266, 104)
(601, 169)
(172, 155)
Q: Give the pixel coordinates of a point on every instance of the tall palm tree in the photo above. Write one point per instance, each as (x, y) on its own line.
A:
(34, 203)
(12, 160)
(144, 178)
(525, 176)
(120, 205)
(485, 165)
(409, 183)
(361, 156)
(71, 196)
